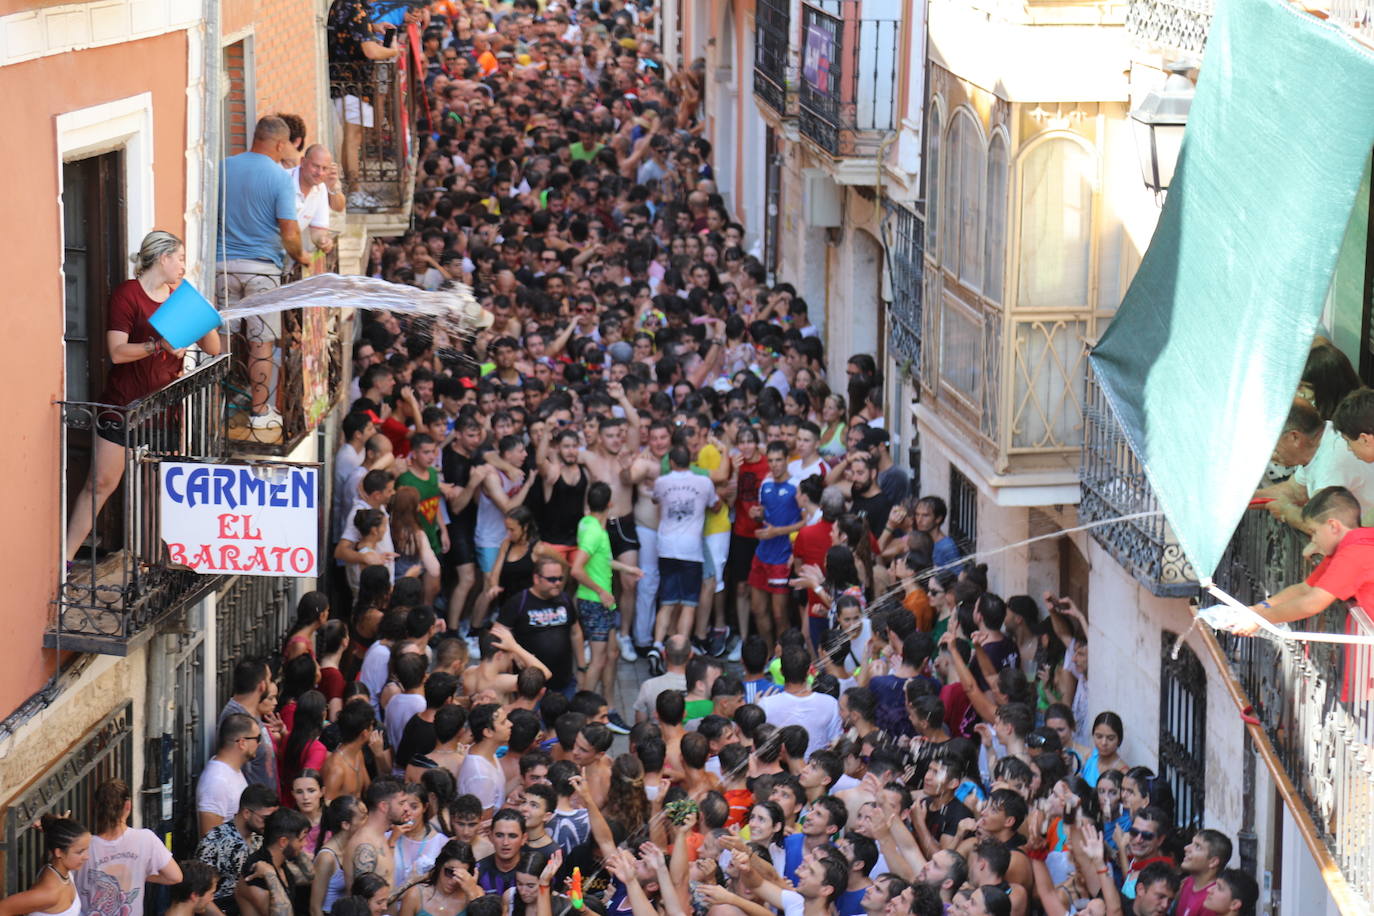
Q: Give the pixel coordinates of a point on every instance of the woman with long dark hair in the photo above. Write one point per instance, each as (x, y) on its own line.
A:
(374, 594)
(535, 873)
(336, 827)
(626, 801)
(450, 886)
(1108, 734)
(68, 847)
(331, 645)
(311, 613)
(303, 749)
(514, 569)
(307, 795)
(299, 675)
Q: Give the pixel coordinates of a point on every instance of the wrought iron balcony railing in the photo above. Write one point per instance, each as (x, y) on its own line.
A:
(377, 102)
(1312, 699)
(1176, 25)
(1114, 485)
(847, 94)
(305, 376)
(772, 40)
(120, 586)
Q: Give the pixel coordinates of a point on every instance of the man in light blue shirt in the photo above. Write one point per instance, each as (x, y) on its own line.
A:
(258, 208)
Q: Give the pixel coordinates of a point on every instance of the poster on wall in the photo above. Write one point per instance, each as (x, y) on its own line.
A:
(818, 54)
(260, 519)
(314, 365)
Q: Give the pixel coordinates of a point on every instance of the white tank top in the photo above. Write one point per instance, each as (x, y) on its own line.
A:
(73, 910)
(491, 521)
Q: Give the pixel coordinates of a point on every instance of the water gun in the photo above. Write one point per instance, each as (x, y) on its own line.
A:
(575, 889)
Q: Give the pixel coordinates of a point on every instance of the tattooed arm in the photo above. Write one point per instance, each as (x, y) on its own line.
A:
(364, 860)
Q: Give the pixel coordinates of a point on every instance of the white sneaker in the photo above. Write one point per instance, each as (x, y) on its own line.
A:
(627, 648)
(474, 647)
(267, 420)
(736, 647)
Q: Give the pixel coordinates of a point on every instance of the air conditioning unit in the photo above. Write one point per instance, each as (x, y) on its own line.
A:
(822, 200)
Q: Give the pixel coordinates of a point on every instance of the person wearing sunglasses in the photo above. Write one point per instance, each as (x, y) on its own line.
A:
(545, 622)
(450, 886)
(222, 781)
(1144, 845)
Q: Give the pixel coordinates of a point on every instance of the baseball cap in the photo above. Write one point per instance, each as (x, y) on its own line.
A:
(621, 352)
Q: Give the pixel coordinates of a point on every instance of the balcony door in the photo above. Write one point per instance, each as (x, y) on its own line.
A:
(93, 264)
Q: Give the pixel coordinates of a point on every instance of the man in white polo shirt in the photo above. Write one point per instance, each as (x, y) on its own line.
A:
(312, 197)
(1322, 459)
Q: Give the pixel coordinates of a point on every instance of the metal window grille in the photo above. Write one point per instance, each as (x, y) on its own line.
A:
(772, 223)
(107, 753)
(906, 238)
(963, 512)
(174, 758)
(253, 612)
(772, 28)
(1183, 730)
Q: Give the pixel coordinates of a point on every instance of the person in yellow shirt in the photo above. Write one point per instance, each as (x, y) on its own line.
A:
(710, 456)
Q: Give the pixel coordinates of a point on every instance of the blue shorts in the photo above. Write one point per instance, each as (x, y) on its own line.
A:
(679, 581)
(486, 558)
(597, 620)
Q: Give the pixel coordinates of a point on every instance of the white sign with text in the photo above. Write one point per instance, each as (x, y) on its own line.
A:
(252, 520)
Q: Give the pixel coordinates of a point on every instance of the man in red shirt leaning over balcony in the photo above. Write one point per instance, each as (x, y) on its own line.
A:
(1347, 568)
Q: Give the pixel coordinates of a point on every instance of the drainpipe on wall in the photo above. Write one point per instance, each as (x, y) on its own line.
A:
(210, 143)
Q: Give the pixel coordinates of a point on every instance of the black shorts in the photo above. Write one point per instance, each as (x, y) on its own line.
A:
(462, 549)
(741, 557)
(622, 533)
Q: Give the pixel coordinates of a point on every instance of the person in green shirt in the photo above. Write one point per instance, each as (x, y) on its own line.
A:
(702, 672)
(424, 477)
(586, 149)
(592, 568)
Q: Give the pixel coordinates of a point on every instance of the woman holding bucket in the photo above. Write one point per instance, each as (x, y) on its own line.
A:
(142, 364)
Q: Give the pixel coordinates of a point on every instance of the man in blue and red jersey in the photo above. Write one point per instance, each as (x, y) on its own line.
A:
(780, 517)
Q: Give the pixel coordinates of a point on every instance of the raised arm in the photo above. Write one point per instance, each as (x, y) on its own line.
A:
(976, 697)
(505, 639)
(601, 830)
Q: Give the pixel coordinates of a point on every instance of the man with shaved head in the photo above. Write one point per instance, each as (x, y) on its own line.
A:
(312, 197)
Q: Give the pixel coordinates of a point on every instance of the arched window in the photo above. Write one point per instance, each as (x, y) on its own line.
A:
(995, 219)
(1056, 225)
(962, 232)
(933, 178)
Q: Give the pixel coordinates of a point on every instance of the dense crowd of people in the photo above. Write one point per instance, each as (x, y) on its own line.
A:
(637, 454)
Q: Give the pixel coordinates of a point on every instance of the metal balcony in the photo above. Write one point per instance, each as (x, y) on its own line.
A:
(1312, 699)
(1114, 485)
(1179, 26)
(772, 38)
(122, 587)
(847, 95)
(309, 377)
(379, 100)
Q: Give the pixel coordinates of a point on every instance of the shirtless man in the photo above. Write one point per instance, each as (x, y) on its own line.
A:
(642, 473)
(368, 850)
(606, 462)
(496, 673)
(344, 772)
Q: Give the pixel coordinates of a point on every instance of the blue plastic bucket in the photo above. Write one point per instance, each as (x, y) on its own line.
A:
(185, 317)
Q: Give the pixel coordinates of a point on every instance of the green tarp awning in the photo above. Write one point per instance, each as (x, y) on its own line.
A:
(1204, 355)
